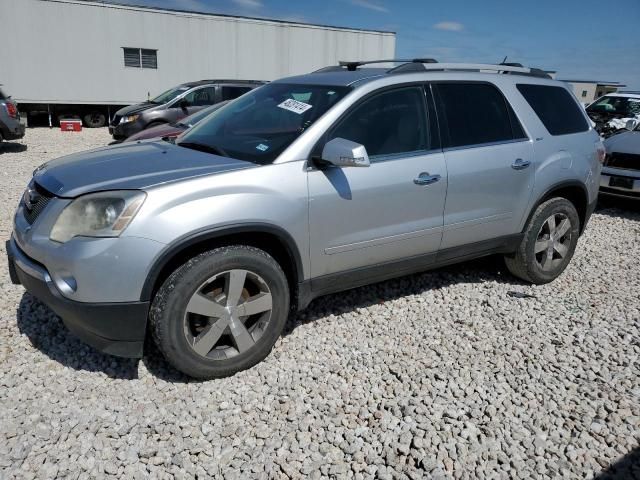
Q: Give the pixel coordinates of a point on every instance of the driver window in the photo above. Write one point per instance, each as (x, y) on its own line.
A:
(389, 123)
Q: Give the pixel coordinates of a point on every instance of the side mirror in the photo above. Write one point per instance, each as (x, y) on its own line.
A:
(631, 125)
(183, 104)
(345, 153)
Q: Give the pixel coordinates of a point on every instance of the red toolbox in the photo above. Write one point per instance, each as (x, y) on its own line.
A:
(71, 125)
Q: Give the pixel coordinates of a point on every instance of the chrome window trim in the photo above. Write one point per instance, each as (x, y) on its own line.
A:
(487, 144)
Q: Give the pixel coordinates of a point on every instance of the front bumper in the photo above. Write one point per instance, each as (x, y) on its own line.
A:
(113, 328)
(620, 182)
(125, 130)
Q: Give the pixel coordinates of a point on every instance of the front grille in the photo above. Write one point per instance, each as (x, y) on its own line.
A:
(34, 202)
(627, 161)
(115, 120)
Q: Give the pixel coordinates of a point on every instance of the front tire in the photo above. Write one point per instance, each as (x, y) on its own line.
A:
(221, 312)
(549, 241)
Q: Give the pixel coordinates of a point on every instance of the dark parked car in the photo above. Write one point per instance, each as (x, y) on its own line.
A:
(10, 126)
(174, 129)
(175, 104)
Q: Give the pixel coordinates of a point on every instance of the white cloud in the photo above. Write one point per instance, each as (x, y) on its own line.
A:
(370, 5)
(248, 3)
(449, 26)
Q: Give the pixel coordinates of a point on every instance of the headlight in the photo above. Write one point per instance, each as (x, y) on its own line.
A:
(103, 214)
(129, 118)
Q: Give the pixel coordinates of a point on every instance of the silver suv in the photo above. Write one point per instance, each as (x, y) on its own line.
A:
(305, 186)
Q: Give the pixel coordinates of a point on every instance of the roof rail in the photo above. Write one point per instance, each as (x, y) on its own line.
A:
(431, 65)
(352, 66)
(483, 67)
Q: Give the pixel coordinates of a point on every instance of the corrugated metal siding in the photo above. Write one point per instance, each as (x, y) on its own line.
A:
(66, 52)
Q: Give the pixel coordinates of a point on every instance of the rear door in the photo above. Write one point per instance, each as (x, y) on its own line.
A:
(489, 162)
(365, 216)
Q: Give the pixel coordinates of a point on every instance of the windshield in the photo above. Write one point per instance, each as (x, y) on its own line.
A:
(619, 105)
(261, 124)
(169, 95)
(191, 120)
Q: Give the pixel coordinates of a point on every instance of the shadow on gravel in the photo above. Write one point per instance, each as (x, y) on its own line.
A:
(628, 208)
(12, 147)
(627, 467)
(47, 333)
(481, 270)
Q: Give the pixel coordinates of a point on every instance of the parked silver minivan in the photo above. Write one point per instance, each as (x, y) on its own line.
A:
(305, 186)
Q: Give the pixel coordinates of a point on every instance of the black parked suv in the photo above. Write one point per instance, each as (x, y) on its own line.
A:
(176, 103)
(10, 126)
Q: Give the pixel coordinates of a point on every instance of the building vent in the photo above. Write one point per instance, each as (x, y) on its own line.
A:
(140, 57)
(149, 58)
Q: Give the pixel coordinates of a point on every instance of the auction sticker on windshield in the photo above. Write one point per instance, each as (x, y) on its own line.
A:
(295, 106)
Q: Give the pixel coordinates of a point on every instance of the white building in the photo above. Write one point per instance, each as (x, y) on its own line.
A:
(75, 52)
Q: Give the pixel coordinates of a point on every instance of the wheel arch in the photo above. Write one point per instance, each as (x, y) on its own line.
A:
(574, 191)
(273, 240)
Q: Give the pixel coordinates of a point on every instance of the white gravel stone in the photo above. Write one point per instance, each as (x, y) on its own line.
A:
(441, 375)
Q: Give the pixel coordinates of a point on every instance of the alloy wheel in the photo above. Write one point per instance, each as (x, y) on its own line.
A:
(228, 314)
(553, 242)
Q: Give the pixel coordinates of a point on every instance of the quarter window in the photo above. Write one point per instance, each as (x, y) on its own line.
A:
(392, 122)
(140, 57)
(555, 107)
(475, 114)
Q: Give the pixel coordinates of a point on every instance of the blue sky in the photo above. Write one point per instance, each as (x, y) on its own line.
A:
(581, 39)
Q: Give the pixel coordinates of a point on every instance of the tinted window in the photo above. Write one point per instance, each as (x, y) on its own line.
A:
(229, 93)
(388, 123)
(169, 95)
(201, 97)
(474, 113)
(555, 107)
(261, 124)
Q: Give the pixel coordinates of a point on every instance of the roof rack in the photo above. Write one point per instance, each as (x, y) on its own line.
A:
(429, 64)
(352, 66)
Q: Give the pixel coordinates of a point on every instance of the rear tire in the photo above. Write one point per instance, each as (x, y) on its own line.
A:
(221, 312)
(549, 241)
(95, 120)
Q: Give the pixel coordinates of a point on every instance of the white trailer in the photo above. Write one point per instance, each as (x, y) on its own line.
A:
(81, 58)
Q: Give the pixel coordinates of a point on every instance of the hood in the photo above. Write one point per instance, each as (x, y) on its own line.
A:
(626, 142)
(129, 166)
(137, 108)
(165, 130)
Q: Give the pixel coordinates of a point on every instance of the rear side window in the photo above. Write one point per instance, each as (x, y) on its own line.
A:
(555, 107)
(475, 114)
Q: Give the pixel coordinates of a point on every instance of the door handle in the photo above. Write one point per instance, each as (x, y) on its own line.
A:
(425, 179)
(520, 164)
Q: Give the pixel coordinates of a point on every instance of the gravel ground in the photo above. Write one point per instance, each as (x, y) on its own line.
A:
(448, 374)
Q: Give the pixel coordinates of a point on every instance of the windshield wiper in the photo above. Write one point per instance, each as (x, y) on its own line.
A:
(204, 148)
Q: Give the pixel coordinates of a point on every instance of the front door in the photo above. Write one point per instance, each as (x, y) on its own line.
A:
(393, 209)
